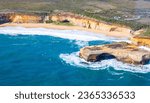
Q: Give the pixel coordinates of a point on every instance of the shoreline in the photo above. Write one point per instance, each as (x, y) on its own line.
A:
(63, 27)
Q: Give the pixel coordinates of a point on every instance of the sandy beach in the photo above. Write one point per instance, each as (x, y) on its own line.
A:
(61, 27)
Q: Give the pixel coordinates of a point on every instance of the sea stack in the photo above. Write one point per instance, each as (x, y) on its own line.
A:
(122, 51)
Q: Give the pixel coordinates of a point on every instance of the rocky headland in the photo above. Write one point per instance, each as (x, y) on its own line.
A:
(125, 52)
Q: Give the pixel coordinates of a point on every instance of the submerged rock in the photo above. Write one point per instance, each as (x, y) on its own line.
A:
(125, 52)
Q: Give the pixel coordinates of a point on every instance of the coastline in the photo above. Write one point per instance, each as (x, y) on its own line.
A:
(62, 27)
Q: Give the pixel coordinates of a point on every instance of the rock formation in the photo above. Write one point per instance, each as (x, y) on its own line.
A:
(125, 52)
(5, 17)
(21, 18)
(141, 41)
(75, 19)
(89, 23)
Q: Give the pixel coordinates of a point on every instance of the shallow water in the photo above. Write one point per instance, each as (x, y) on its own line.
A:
(37, 56)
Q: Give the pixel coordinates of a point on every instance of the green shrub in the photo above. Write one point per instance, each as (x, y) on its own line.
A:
(49, 21)
(62, 23)
(147, 32)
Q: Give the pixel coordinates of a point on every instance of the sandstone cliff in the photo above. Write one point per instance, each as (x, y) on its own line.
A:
(75, 19)
(5, 17)
(21, 18)
(124, 52)
(141, 41)
(89, 23)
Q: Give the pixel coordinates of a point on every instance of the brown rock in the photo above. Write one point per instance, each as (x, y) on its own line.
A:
(122, 51)
(20, 18)
(89, 23)
(141, 41)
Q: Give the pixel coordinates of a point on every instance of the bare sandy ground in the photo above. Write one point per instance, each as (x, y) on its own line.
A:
(61, 27)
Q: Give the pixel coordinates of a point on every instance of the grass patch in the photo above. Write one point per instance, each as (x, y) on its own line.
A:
(49, 21)
(63, 23)
(60, 23)
(147, 32)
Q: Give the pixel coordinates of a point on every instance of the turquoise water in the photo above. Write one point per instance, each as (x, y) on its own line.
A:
(34, 58)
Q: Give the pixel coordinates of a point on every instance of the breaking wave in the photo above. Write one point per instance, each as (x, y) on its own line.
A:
(75, 60)
(144, 48)
(81, 43)
(65, 34)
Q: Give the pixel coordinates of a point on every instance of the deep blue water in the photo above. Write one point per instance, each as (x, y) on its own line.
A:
(38, 61)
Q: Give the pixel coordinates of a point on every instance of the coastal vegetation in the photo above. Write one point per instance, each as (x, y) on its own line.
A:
(59, 23)
(133, 24)
(63, 23)
(147, 32)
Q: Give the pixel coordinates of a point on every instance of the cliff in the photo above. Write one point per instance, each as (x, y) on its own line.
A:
(90, 23)
(125, 52)
(21, 18)
(5, 17)
(74, 19)
(141, 41)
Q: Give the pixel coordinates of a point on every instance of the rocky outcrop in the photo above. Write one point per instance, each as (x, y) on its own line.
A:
(5, 17)
(125, 52)
(21, 18)
(141, 41)
(89, 23)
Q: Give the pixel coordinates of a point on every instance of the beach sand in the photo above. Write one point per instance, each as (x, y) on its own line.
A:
(62, 27)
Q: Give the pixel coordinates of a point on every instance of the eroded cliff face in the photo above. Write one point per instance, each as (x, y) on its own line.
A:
(89, 23)
(5, 17)
(141, 41)
(20, 18)
(75, 19)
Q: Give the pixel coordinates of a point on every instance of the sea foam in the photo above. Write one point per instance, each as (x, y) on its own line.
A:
(144, 48)
(74, 60)
(65, 34)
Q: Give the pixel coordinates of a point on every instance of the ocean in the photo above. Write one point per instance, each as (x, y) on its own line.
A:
(46, 57)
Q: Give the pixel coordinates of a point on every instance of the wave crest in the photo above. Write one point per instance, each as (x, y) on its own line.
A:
(74, 60)
(65, 34)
